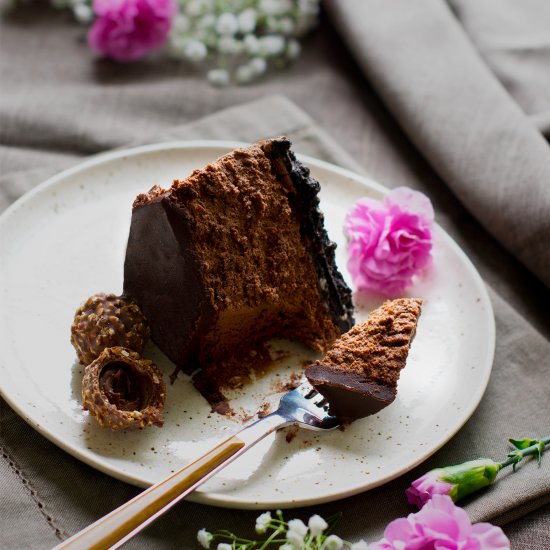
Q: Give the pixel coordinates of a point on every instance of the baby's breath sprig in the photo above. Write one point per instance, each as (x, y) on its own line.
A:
(238, 40)
(284, 535)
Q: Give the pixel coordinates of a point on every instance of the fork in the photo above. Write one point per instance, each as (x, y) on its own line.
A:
(302, 406)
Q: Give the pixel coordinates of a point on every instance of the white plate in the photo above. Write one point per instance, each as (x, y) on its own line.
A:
(66, 240)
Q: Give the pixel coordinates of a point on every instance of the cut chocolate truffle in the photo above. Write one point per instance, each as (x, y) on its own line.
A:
(359, 374)
(232, 256)
(122, 390)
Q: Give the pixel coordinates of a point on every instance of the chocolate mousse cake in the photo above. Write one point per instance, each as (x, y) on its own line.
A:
(232, 256)
(359, 374)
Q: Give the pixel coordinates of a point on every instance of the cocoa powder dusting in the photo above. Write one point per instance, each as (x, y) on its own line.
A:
(379, 347)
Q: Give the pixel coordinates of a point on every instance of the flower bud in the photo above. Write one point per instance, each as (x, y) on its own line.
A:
(455, 481)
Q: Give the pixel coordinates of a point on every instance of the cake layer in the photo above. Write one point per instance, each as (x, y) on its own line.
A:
(235, 255)
(359, 374)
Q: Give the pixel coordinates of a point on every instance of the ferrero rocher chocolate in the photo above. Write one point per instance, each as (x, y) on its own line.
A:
(104, 321)
(124, 391)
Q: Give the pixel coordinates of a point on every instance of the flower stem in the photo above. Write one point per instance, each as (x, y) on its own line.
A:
(271, 538)
(516, 456)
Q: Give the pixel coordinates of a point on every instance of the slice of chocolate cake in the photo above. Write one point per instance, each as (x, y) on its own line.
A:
(359, 374)
(232, 256)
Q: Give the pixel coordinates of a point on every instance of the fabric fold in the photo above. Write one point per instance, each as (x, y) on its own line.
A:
(458, 115)
(76, 494)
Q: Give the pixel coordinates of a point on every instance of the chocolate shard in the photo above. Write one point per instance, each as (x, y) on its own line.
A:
(359, 374)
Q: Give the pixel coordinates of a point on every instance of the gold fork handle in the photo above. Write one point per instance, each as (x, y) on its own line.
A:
(116, 528)
(121, 524)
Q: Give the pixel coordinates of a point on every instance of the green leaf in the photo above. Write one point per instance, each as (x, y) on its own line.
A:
(523, 443)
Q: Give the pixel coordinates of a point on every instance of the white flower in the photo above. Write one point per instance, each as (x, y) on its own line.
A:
(244, 74)
(177, 45)
(227, 24)
(262, 522)
(272, 44)
(224, 546)
(308, 12)
(83, 13)
(295, 539)
(255, 67)
(333, 543)
(287, 547)
(293, 49)
(271, 25)
(247, 20)
(286, 25)
(195, 51)
(360, 545)
(251, 44)
(316, 525)
(218, 77)
(297, 530)
(258, 65)
(181, 23)
(228, 45)
(197, 7)
(297, 526)
(204, 538)
(207, 21)
(275, 7)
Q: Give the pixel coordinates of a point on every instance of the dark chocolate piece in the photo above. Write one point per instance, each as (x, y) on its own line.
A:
(350, 395)
(122, 390)
(104, 321)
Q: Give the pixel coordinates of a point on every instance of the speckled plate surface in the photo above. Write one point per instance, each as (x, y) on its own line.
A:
(66, 240)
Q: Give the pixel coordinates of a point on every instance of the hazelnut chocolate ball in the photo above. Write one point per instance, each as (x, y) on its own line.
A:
(104, 321)
(122, 390)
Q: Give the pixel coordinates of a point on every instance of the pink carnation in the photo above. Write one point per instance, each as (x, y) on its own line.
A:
(129, 29)
(389, 242)
(425, 487)
(441, 525)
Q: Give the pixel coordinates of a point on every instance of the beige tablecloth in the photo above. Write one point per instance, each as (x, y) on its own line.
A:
(454, 132)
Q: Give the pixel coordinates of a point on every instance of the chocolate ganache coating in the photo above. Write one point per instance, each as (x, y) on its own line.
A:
(232, 256)
(335, 291)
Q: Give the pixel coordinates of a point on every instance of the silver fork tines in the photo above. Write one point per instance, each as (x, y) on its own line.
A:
(305, 406)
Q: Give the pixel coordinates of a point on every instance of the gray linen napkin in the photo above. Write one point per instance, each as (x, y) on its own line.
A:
(513, 38)
(46, 494)
(458, 114)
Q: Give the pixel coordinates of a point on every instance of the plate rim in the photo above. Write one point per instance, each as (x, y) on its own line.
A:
(228, 501)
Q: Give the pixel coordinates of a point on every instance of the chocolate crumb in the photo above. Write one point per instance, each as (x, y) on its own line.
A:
(291, 433)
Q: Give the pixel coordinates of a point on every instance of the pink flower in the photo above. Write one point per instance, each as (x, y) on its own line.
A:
(425, 487)
(129, 29)
(455, 481)
(389, 242)
(441, 525)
